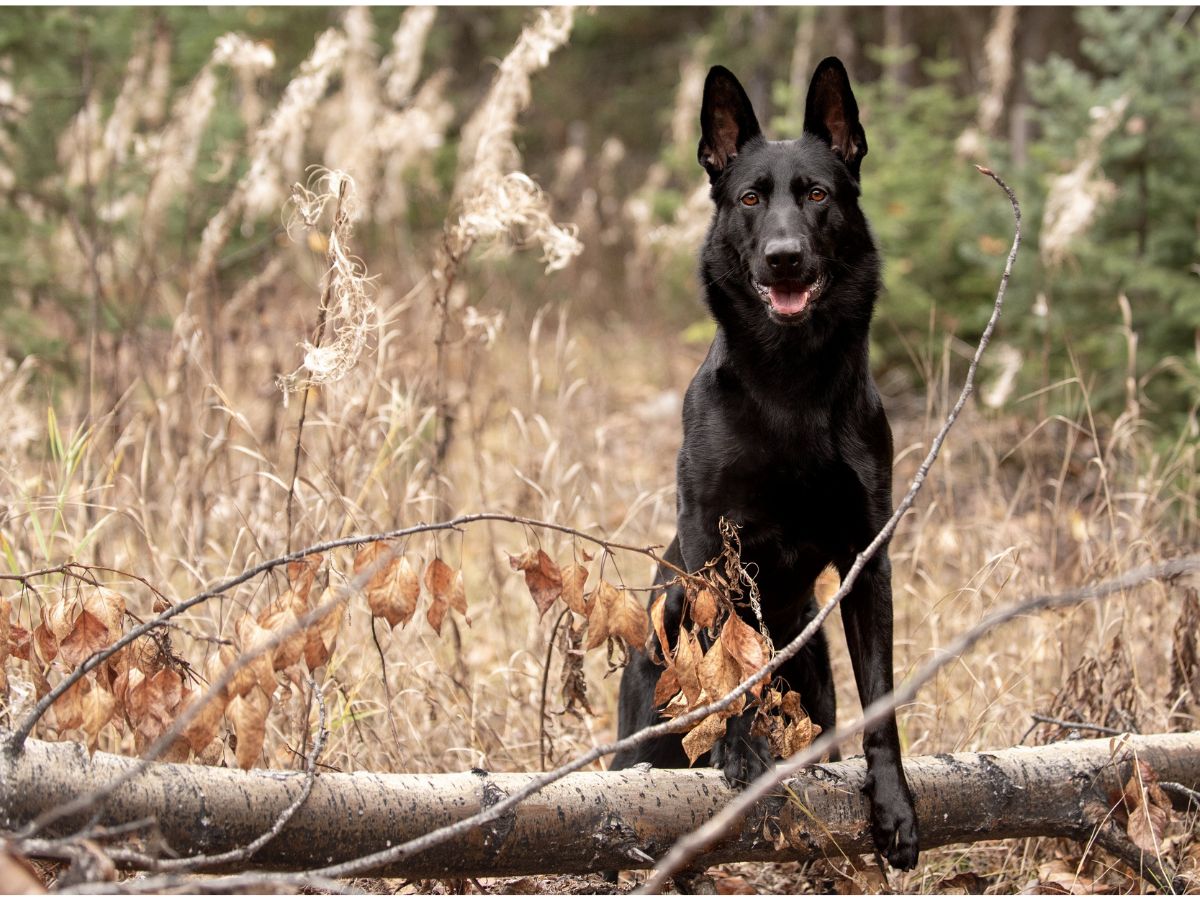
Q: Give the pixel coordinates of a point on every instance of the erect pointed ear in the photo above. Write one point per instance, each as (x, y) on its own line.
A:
(726, 121)
(831, 113)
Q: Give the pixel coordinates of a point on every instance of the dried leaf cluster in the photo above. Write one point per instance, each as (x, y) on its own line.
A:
(713, 652)
(141, 689)
(394, 587)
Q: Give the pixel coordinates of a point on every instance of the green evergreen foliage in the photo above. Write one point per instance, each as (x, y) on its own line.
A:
(1146, 242)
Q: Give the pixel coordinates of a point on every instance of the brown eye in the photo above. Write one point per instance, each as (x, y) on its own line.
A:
(816, 195)
(749, 199)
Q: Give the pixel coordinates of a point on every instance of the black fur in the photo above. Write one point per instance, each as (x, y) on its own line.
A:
(783, 429)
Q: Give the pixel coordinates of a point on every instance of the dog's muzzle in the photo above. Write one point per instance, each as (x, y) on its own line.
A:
(788, 299)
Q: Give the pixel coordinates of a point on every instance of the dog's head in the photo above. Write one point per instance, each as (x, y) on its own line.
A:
(788, 241)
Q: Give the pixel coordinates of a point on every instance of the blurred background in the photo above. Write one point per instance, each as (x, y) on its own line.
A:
(1090, 113)
(511, 315)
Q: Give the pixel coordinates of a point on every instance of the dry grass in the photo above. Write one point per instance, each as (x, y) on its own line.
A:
(181, 477)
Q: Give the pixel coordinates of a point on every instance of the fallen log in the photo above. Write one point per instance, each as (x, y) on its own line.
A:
(588, 821)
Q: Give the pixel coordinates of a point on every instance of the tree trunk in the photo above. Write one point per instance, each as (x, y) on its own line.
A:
(590, 821)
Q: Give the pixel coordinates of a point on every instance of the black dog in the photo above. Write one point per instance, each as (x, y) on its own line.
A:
(784, 433)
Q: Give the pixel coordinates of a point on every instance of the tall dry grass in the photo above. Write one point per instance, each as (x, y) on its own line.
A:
(181, 471)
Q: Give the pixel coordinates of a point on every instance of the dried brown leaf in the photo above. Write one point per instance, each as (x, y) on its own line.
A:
(677, 706)
(45, 643)
(574, 577)
(667, 686)
(444, 599)
(733, 884)
(604, 597)
(688, 657)
(19, 643)
(574, 682)
(1053, 878)
(201, 731)
(542, 577)
(144, 653)
(793, 730)
(98, 706)
(439, 579)
(243, 679)
(152, 702)
(458, 596)
(251, 638)
(59, 617)
(962, 883)
(301, 573)
(392, 594)
(87, 635)
(18, 876)
(1150, 812)
(707, 732)
(627, 619)
(290, 651)
(747, 646)
(367, 556)
(248, 714)
(321, 636)
(720, 674)
(107, 606)
(827, 584)
(704, 608)
(68, 708)
(288, 600)
(658, 608)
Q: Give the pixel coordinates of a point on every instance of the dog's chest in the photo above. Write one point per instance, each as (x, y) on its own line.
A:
(790, 503)
(793, 496)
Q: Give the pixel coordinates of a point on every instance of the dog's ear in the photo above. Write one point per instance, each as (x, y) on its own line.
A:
(831, 113)
(726, 121)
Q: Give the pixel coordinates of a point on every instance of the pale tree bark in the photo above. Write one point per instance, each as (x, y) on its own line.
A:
(587, 821)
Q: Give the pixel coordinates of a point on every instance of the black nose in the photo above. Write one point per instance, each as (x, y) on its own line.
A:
(783, 256)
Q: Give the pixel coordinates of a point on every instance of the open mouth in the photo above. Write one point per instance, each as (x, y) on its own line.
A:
(788, 299)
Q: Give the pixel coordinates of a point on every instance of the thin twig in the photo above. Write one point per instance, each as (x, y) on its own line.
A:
(545, 683)
(242, 883)
(1174, 787)
(1081, 726)
(322, 315)
(387, 688)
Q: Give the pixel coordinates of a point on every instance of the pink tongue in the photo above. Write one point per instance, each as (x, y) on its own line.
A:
(789, 303)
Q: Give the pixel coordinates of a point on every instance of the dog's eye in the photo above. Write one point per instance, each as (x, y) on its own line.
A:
(816, 195)
(749, 199)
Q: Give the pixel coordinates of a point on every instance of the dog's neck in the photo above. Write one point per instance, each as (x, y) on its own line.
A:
(819, 354)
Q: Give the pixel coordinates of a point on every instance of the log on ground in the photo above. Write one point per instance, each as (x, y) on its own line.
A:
(588, 821)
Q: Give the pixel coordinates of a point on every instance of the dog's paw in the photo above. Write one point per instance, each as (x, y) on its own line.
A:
(740, 757)
(893, 822)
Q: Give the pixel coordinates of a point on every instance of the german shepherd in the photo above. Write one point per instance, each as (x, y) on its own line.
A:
(784, 432)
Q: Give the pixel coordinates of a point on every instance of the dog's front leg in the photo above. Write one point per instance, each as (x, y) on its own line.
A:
(867, 616)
